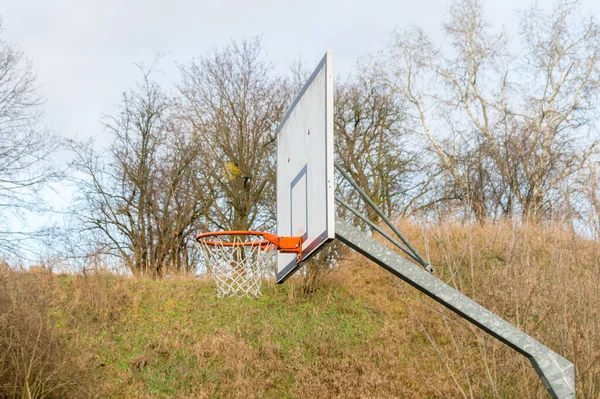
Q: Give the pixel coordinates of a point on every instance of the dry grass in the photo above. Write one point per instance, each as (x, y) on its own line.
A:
(362, 334)
(543, 279)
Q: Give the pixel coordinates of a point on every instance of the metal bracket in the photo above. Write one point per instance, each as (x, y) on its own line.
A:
(286, 244)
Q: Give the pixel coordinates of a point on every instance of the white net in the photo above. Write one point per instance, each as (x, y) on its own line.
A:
(237, 269)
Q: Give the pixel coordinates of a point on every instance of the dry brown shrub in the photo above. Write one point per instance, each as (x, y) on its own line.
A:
(542, 278)
(36, 360)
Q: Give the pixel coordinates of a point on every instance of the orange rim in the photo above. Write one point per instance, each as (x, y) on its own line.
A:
(283, 244)
(262, 243)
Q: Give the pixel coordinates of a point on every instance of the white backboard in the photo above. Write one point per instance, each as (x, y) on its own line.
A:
(305, 197)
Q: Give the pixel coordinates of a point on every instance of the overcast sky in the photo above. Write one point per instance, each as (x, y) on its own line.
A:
(84, 51)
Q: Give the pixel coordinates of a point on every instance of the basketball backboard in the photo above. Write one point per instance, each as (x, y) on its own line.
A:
(305, 195)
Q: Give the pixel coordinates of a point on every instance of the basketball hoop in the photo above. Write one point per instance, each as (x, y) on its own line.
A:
(239, 260)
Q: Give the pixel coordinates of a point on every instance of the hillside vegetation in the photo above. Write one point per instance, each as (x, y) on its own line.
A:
(362, 334)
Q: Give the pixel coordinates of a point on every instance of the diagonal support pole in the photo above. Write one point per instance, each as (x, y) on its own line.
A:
(415, 254)
(556, 372)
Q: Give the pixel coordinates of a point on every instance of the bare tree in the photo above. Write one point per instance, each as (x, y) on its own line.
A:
(145, 195)
(560, 101)
(504, 127)
(371, 142)
(233, 104)
(26, 147)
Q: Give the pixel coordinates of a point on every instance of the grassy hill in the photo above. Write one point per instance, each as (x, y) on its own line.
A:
(362, 334)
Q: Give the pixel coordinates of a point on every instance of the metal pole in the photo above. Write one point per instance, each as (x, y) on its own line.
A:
(376, 228)
(421, 260)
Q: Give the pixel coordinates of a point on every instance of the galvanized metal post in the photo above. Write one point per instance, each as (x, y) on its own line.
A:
(556, 372)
